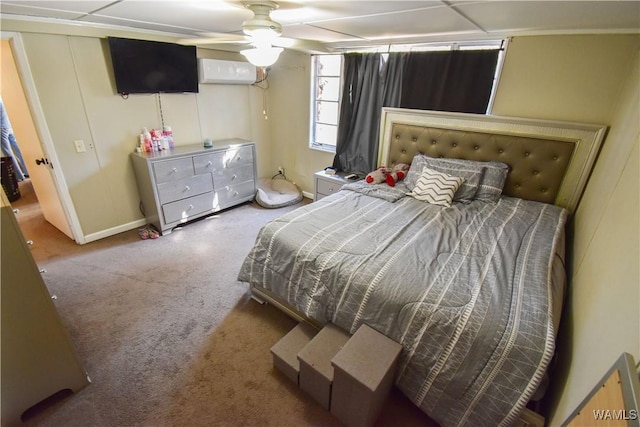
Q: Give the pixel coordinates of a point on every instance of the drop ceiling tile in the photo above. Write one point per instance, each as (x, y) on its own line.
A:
(495, 16)
(403, 25)
(309, 32)
(212, 16)
(142, 26)
(297, 12)
(51, 9)
(60, 6)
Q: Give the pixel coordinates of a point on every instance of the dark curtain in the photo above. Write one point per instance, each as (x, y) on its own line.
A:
(393, 75)
(369, 84)
(359, 108)
(459, 81)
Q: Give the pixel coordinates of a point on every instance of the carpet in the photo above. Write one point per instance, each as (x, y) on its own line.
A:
(167, 334)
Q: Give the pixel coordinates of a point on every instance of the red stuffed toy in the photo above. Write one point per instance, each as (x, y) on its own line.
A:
(378, 176)
(397, 174)
(390, 175)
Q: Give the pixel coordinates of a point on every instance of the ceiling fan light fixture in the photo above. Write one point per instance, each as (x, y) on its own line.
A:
(261, 25)
(262, 33)
(263, 56)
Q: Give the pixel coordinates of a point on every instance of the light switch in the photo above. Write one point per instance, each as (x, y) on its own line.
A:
(80, 148)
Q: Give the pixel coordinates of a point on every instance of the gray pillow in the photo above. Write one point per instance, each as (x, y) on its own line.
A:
(492, 183)
(470, 170)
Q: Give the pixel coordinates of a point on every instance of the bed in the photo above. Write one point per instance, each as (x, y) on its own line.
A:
(473, 291)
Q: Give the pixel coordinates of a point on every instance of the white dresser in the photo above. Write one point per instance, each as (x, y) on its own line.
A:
(190, 181)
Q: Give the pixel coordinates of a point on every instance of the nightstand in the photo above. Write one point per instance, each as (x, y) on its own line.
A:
(326, 184)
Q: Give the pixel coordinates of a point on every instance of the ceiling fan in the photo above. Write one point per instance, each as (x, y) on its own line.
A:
(263, 33)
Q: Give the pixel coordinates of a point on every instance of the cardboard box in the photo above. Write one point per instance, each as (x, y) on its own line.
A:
(316, 372)
(285, 352)
(364, 370)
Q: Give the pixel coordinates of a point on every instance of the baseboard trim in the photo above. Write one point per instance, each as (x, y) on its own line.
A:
(308, 195)
(115, 230)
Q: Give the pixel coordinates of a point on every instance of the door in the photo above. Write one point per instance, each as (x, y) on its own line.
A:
(38, 166)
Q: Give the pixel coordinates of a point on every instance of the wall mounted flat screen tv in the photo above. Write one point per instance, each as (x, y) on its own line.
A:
(142, 66)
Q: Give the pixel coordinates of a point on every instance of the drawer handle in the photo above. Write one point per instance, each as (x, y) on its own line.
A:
(233, 177)
(235, 193)
(209, 163)
(29, 242)
(174, 170)
(190, 207)
(187, 188)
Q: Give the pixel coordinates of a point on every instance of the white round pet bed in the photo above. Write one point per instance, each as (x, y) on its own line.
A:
(277, 192)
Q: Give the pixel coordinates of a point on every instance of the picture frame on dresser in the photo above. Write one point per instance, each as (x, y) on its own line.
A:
(191, 181)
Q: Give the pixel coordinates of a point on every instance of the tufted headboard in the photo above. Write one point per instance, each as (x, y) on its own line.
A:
(548, 161)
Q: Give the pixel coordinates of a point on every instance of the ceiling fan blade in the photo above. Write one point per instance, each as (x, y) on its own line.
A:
(216, 38)
(303, 45)
(231, 34)
(308, 46)
(203, 41)
(260, 30)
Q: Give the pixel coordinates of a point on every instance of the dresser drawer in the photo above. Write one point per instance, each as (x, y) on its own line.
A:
(177, 190)
(183, 210)
(235, 157)
(172, 170)
(326, 187)
(224, 177)
(208, 163)
(232, 194)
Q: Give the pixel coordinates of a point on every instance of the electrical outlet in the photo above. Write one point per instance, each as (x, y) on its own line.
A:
(80, 148)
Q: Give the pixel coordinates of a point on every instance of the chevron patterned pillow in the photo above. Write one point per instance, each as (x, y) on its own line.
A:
(436, 187)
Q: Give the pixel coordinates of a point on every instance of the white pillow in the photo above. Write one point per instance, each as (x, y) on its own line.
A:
(436, 187)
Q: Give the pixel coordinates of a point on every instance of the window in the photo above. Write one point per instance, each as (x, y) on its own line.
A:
(327, 82)
(325, 100)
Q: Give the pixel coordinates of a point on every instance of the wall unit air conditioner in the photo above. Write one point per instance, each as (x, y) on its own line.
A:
(226, 72)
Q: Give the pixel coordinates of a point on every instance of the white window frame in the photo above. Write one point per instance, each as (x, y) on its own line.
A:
(331, 148)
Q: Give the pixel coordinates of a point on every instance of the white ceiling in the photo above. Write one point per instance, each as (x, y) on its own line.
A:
(346, 24)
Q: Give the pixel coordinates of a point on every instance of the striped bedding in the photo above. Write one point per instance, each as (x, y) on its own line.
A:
(466, 290)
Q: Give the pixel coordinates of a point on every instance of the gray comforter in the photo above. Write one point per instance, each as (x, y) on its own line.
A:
(465, 290)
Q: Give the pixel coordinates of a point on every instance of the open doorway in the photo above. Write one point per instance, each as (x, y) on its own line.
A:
(39, 186)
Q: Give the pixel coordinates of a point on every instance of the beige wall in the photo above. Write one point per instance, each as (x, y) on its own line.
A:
(604, 304)
(573, 78)
(589, 79)
(73, 78)
(289, 109)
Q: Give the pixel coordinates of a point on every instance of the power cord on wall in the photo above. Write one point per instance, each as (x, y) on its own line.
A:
(161, 112)
(280, 173)
(262, 82)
